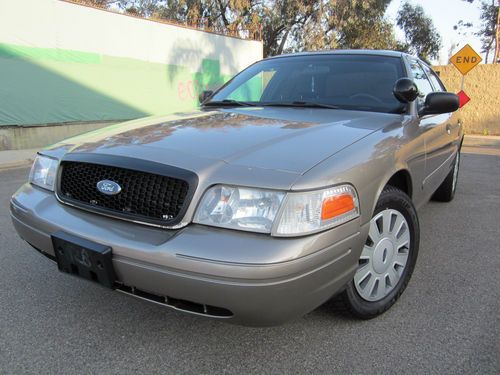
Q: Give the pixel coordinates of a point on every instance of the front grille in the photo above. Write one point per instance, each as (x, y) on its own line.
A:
(144, 196)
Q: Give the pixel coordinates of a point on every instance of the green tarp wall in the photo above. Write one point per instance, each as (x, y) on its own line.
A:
(49, 85)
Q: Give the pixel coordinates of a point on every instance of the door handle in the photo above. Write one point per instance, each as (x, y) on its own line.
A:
(448, 129)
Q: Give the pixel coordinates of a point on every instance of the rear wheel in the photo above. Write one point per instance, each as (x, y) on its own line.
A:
(446, 191)
(388, 257)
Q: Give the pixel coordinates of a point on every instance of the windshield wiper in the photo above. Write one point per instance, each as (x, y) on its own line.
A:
(231, 102)
(301, 104)
(228, 102)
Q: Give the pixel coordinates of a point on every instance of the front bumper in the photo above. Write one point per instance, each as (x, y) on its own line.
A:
(259, 279)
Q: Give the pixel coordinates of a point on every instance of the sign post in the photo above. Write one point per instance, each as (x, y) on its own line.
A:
(465, 60)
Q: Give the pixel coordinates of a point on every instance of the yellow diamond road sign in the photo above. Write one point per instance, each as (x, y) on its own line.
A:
(465, 59)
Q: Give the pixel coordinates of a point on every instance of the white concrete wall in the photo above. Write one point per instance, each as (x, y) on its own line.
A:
(59, 24)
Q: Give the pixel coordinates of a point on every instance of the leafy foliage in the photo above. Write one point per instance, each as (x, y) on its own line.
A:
(346, 24)
(422, 38)
(488, 31)
(489, 25)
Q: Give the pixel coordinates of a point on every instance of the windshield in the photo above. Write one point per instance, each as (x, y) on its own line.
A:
(359, 82)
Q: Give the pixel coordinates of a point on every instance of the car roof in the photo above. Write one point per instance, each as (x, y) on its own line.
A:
(374, 52)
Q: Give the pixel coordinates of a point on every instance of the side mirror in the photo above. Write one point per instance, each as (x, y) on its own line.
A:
(205, 94)
(405, 90)
(440, 102)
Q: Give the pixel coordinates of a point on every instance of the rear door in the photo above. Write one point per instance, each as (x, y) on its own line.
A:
(437, 140)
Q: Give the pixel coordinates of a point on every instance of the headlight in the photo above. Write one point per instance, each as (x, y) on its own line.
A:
(268, 211)
(239, 208)
(309, 212)
(43, 172)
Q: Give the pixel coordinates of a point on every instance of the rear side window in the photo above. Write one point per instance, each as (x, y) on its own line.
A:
(420, 78)
(436, 82)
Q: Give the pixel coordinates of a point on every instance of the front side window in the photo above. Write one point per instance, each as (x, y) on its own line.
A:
(357, 82)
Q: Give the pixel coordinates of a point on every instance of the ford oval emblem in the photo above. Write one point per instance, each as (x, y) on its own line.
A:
(108, 187)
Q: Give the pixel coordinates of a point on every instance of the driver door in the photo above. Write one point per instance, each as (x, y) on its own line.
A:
(438, 141)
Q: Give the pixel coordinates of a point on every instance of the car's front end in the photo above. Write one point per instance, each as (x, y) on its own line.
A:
(255, 209)
(247, 254)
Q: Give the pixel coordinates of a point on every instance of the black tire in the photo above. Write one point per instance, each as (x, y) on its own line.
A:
(394, 199)
(446, 191)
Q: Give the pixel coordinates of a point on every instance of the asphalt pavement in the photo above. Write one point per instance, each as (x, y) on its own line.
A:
(446, 322)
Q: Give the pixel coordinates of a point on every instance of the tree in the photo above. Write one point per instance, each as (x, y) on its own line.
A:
(143, 8)
(421, 36)
(363, 25)
(315, 25)
(488, 31)
(284, 22)
(489, 24)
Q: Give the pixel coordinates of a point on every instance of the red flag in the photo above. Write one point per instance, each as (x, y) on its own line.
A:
(463, 98)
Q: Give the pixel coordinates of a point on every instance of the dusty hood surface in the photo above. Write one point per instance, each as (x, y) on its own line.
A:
(287, 139)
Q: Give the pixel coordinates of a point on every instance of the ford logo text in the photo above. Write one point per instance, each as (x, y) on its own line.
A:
(108, 187)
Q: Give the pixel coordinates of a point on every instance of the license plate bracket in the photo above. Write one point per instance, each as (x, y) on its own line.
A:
(83, 258)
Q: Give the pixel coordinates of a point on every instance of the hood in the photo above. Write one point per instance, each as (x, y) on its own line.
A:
(286, 139)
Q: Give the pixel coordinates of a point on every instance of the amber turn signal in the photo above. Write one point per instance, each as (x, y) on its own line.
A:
(336, 206)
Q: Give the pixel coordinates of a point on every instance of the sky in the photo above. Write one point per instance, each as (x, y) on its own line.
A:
(445, 14)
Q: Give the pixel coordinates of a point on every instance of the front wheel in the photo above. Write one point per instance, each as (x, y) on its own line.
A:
(388, 257)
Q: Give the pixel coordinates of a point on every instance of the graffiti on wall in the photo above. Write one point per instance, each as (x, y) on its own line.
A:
(208, 78)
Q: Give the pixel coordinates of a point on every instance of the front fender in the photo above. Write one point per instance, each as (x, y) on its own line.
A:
(369, 164)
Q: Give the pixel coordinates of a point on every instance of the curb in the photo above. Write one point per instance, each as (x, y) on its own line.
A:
(16, 164)
(492, 141)
(16, 158)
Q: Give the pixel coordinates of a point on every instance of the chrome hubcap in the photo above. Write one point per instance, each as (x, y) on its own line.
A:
(384, 255)
(455, 173)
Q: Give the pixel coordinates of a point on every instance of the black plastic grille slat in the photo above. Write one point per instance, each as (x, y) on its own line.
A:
(143, 196)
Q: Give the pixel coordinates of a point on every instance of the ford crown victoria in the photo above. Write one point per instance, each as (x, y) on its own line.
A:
(296, 181)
